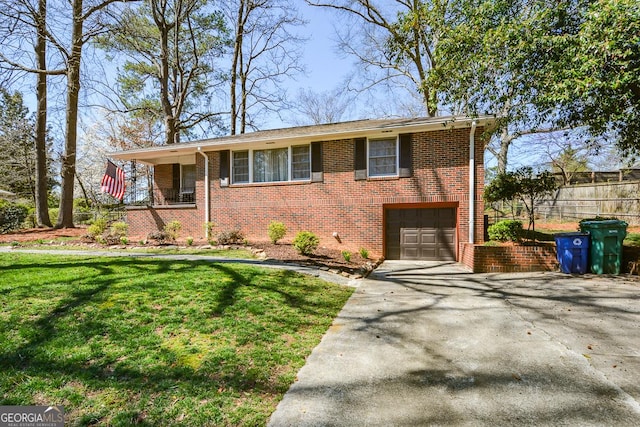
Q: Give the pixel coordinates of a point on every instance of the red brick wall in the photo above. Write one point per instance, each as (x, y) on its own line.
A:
(143, 220)
(353, 209)
(507, 259)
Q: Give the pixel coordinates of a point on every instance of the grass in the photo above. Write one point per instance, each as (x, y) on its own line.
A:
(155, 342)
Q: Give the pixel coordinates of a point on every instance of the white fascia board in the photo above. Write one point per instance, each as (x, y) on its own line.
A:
(376, 128)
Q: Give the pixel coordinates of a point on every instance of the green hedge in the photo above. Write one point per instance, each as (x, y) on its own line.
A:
(12, 215)
(506, 231)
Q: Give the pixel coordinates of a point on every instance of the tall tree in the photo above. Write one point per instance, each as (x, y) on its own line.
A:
(486, 61)
(590, 66)
(397, 38)
(17, 154)
(265, 51)
(41, 193)
(16, 145)
(170, 48)
(24, 20)
(86, 23)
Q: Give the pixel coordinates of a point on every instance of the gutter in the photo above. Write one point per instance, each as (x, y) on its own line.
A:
(472, 182)
(207, 191)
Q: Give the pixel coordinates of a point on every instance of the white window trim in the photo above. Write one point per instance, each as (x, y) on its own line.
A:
(289, 165)
(397, 172)
(232, 175)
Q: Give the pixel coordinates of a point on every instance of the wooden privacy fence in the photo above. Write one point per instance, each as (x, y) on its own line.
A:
(576, 202)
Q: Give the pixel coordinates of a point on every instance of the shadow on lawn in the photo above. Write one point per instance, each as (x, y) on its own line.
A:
(79, 319)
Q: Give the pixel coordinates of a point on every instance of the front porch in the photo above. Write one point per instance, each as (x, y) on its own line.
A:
(161, 196)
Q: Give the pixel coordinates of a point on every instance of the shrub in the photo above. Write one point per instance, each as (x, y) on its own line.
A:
(277, 231)
(230, 237)
(53, 214)
(119, 229)
(507, 230)
(364, 253)
(346, 255)
(172, 229)
(208, 228)
(159, 236)
(306, 242)
(189, 241)
(12, 215)
(97, 227)
(30, 221)
(124, 240)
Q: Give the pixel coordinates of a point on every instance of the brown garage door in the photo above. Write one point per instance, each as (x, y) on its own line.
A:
(421, 234)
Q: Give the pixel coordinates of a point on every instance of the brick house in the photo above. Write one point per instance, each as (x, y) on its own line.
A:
(401, 188)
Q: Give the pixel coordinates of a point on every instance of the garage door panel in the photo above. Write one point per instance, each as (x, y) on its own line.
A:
(410, 238)
(421, 234)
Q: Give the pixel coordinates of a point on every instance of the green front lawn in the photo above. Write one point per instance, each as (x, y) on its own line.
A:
(156, 342)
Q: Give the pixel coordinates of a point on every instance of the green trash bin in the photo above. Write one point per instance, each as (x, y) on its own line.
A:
(605, 252)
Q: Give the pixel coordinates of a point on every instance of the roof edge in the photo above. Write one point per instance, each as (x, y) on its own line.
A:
(325, 132)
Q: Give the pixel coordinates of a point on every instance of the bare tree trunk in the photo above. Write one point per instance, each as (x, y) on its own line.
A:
(41, 196)
(65, 217)
(236, 65)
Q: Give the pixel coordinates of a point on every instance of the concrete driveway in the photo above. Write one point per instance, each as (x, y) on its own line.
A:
(431, 344)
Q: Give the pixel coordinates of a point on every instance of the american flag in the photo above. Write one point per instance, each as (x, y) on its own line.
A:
(113, 181)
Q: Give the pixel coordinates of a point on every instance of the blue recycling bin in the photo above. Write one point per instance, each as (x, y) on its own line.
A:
(573, 252)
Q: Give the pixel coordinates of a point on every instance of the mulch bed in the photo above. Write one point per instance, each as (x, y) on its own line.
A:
(325, 258)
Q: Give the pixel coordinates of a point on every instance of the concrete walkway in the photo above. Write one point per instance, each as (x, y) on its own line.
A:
(431, 344)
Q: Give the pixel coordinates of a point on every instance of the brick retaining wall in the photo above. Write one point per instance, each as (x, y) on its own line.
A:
(509, 259)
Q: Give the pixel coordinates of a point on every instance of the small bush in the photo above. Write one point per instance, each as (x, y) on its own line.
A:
(172, 229)
(53, 214)
(12, 215)
(97, 227)
(364, 253)
(189, 241)
(119, 229)
(506, 231)
(306, 242)
(346, 255)
(277, 231)
(158, 236)
(230, 237)
(124, 240)
(208, 228)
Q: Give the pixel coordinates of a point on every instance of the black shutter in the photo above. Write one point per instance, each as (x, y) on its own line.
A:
(405, 156)
(360, 159)
(176, 177)
(225, 167)
(316, 162)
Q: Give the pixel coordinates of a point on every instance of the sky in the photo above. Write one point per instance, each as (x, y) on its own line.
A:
(325, 67)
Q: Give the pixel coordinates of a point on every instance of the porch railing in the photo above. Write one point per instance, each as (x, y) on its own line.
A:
(161, 197)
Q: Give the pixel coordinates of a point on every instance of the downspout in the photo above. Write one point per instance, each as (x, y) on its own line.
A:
(207, 190)
(472, 182)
